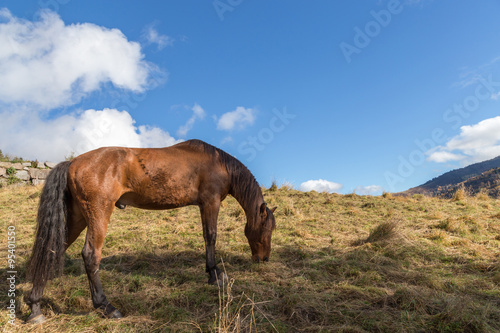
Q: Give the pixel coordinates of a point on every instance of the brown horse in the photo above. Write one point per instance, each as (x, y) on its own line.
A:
(83, 193)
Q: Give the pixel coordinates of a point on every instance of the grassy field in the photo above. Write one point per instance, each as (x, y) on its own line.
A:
(340, 263)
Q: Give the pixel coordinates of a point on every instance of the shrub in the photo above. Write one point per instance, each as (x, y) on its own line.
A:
(11, 171)
(7, 158)
(70, 157)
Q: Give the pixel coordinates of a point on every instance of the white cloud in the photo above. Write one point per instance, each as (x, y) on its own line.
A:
(495, 96)
(227, 139)
(49, 64)
(320, 185)
(34, 138)
(470, 76)
(441, 156)
(475, 143)
(154, 137)
(152, 36)
(198, 114)
(239, 118)
(369, 190)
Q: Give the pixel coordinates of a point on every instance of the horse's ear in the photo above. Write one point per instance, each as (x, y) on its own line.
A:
(273, 209)
(263, 211)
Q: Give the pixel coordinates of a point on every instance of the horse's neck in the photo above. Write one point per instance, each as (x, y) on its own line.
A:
(251, 209)
(249, 196)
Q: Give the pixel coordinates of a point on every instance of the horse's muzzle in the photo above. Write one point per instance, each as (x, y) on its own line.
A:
(257, 259)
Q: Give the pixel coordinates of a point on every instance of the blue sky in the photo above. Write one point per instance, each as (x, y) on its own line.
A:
(343, 96)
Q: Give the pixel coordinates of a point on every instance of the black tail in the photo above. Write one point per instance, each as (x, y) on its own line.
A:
(47, 258)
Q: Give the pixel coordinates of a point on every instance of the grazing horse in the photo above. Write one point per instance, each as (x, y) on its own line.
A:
(82, 193)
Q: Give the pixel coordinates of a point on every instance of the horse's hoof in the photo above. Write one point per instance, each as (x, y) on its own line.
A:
(115, 315)
(120, 205)
(38, 319)
(109, 311)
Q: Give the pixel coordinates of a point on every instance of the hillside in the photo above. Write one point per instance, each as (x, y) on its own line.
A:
(340, 263)
(450, 180)
(487, 182)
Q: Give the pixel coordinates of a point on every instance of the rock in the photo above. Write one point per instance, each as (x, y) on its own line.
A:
(39, 173)
(50, 165)
(5, 165)
(22, 174)
(3, 182)
(26, 164)
(17, 166)
(40, 165)
(5, 174)
(37, 181)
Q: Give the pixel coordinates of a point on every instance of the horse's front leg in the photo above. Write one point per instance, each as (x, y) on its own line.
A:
(209, 214)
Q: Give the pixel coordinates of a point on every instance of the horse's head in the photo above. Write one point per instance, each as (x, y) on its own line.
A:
(259, 236)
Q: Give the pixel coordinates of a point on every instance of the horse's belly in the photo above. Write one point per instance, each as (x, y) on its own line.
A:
(155, 202)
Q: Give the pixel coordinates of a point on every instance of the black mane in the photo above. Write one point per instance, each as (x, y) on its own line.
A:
(244, 187)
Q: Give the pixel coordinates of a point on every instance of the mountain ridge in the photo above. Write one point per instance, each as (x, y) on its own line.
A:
(479, 176)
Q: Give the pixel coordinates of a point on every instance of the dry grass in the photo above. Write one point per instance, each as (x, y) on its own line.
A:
(340, 263)
(482, 195)
(460, 194)
(384, 231)
(387, 195)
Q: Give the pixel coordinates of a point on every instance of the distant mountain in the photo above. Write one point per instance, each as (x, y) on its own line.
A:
(484, 175)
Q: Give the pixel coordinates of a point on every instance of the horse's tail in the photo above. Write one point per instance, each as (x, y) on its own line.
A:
(47, 258)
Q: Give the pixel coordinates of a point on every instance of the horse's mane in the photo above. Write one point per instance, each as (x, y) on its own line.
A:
(244, 186)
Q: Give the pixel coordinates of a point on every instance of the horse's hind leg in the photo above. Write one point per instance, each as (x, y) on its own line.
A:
(76, 224)
(97, 226)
